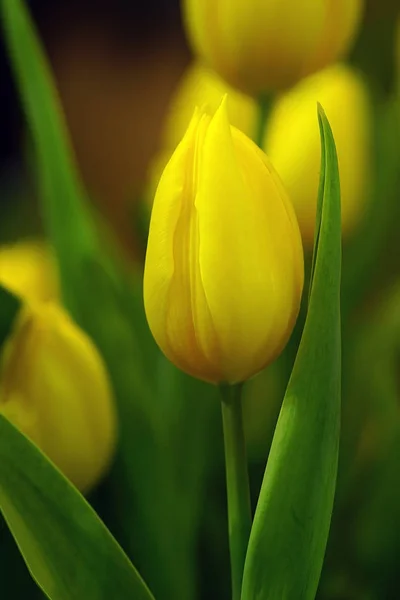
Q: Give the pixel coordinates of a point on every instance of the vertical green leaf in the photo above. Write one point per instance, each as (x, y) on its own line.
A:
(146, 503)
(292, 519)
(58, 173)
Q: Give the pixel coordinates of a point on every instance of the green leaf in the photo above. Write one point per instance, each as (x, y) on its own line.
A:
(370, 256)
(143, 493)
(67, 548)
(15, 579)
(292, 519)
(95, 287)
(59, 183)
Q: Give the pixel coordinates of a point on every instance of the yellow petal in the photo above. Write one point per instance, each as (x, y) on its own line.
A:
(342, 20)
(267, 45)
(170, 275)
(244, 252)
(55, 388)
(292, 141)
(224, 265)
(28, 269)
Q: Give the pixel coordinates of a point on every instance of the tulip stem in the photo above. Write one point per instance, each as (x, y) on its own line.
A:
(265, 102)
(237, 483)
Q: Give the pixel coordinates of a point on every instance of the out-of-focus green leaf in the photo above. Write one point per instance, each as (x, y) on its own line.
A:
(85, 266)
(371, 485)
(57, 168)
(68, 550)
(291, 524)
(144, 489)
(367, 257)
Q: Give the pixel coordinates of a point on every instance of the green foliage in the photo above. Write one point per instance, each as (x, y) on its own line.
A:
(68, 550)
(291, 524)
(106, 301)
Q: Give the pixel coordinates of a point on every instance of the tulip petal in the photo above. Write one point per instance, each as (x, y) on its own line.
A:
(172, 287)
(245, 249)
(292, 142)
(342, 19)
(270, 44)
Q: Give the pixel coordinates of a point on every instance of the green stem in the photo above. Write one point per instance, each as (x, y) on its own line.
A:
(237, 483)
(265, 103)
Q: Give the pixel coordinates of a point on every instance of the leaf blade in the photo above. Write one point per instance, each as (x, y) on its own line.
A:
(292, 519)
(67, 548)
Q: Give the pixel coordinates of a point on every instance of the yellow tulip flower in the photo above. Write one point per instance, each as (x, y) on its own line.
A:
(29, 270)
(55, 389)
(293, 144)
(264, 45)
(224, 265)
(200, 86)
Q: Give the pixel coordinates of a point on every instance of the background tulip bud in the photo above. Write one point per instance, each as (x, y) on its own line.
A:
(263, 45)
(29, 270)
(55, 389)
(293, 144)
(224, 265)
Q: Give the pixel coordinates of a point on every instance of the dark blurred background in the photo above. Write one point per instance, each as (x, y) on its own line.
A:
(116, 64)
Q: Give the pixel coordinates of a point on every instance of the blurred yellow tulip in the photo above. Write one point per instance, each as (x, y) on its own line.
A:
(55, 389)
(266, 45)
(293, 144)
(28, 269)
(224, 266)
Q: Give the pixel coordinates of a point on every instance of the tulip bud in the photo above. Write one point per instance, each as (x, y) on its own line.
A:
(29, 270)
(200, 86)
(266, 45)
(55, 389)
(224, 265)
(292, 142)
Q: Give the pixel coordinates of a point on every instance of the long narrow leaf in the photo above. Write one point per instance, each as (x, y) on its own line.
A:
(144, 497)
(291, 524)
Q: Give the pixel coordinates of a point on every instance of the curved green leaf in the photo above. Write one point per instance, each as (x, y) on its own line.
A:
(108, 304)
(67, 548)
(58, 173)
(292, 519)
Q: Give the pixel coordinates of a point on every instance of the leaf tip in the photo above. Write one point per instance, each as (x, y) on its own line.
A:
(321, 111)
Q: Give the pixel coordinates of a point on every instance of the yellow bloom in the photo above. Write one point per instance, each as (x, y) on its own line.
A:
(55, 389)
(262, 45)
(293, 144)
(224, 265)
(28, 269)
(200, 86)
